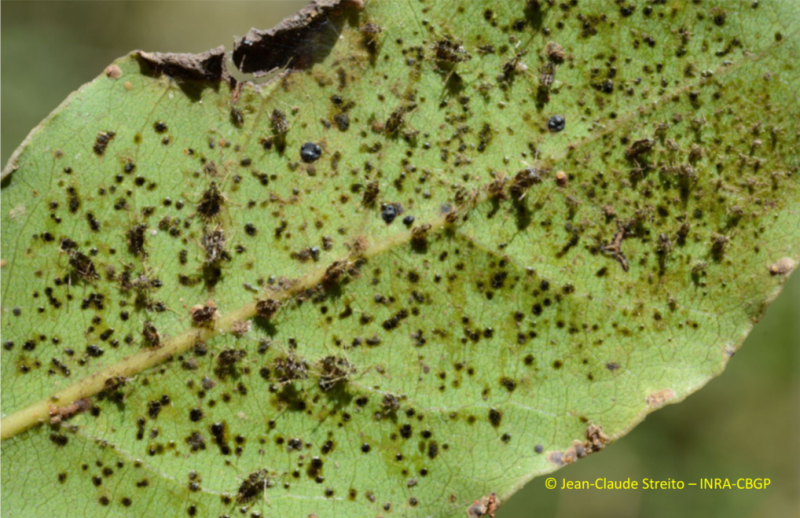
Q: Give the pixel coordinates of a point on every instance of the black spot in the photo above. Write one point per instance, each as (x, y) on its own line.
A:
(153, 408)
(310, 152)
(58, 439)
(196, 441)
(195, 414)
(509, 384)
(556, 123)
(94, 351)
(342, 121)
(433, 449)
(160, 126)
(314, 469)
(211, 202)
(495, 417)
(370, 193)
(136, 238)
(100, 144)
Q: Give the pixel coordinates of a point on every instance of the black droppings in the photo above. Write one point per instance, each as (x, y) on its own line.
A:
(310, 152)
(136, 238)
(342, 121)
(211, 202)
(508, 383)
(94, 351)
(150, 334)
(495, 417)
(59, 439)
(556, 123)
(370, 193)
(101, 142)
(237, 117)
(433, 449)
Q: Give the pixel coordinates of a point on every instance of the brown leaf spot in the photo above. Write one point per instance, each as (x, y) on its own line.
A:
(660, 397)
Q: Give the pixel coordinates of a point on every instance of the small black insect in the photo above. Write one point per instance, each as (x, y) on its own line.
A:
(310, 152)
(389, 212)
(408, 221)
(556, 123)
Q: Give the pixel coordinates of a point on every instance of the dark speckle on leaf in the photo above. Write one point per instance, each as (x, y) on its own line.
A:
(275, 326)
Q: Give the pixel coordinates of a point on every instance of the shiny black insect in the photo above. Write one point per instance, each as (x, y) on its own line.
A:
(556, 123)
(310, 152)
(389, 212)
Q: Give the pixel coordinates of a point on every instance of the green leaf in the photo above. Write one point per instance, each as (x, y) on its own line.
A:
(200, 314)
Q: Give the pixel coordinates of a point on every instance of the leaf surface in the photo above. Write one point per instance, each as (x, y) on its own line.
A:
(387, 280)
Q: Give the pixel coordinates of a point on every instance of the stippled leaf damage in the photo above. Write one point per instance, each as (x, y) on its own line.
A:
(447, 247)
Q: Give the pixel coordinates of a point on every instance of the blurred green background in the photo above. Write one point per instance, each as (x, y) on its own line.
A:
(745, 423)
